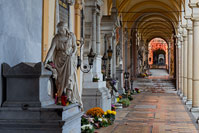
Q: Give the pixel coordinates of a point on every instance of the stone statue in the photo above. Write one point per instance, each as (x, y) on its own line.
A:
(63, 54)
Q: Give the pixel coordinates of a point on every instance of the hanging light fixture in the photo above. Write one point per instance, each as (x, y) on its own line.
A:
(86, 67)
(126, 75)
(110, 52)
(104, 63)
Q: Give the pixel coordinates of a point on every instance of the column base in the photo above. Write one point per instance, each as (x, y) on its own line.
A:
(178, 92)
(195, 113)
(184, 99)
(188, 102)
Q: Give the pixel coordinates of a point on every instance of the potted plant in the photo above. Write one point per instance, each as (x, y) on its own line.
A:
(95, 79)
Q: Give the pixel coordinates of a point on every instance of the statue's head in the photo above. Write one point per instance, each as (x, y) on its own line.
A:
(62, 28)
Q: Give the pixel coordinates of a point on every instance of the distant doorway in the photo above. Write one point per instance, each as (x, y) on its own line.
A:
(159, 58)
(158, 53)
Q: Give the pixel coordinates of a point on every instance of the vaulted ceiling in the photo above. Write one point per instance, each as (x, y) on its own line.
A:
(150, 18)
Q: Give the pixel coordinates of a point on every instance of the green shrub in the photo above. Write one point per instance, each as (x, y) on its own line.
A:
(125, 102)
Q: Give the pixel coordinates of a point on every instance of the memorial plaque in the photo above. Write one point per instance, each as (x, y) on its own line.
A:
(64, 11)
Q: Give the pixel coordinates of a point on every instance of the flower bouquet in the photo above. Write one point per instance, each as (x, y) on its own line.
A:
(113, 108)
(137, 90)
(110, 115)
(95, 112)
(88, 128)
(95, 79)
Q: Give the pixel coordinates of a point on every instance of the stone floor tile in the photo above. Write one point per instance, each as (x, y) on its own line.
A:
(153, 113)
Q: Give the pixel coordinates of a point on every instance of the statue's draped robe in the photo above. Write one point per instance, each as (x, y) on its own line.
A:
(64, 58)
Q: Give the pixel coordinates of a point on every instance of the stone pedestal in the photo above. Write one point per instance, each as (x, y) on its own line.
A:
(96, 94)
(27, 84)
(49, 119)
(28, 106)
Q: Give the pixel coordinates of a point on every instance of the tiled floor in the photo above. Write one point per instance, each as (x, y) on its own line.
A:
(153, 113)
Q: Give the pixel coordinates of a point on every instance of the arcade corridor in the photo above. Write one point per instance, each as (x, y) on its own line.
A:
(61, 60)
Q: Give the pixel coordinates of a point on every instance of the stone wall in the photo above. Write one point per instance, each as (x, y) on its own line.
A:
(20, 32)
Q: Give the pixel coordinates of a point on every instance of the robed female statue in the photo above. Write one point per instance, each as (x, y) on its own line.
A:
(63, 54)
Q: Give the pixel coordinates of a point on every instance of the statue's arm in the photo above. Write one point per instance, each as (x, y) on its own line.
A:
(74, 44)
(50, 51)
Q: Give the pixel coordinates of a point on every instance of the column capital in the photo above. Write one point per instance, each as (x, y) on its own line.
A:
(195, 18)
(195, 10)
(189, 22)
(194, 4)
(183, 25)
(78, 6)
(180, 30)
(189, 28)
(178, 36)
(187, 17)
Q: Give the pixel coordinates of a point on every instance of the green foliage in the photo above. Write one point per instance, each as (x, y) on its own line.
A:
(125, 102)
(130, 97)
(84, 121)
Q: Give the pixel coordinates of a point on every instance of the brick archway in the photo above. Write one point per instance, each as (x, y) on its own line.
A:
(157, 46)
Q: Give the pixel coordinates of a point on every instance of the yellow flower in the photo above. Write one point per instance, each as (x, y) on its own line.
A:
(114, 112)
(105, 113)
(118, 99)
(108, 111)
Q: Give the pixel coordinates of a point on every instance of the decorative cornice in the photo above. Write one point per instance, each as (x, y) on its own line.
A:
(187, 17)
(195, 18)
(194, 5)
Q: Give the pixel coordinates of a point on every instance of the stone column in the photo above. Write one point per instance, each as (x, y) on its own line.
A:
(195, 19)
(182, 66)
(110, 43)
(189, 62)
(94, 30)
(126, 58)
(120, 67)
(177, 69)
(98, 34)
(169, 56)
(185, 65)
(195, 63)
(96, 44)
(114, 57)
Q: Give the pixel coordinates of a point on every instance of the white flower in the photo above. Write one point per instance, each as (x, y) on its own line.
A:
(87, 126)
(83, 127)
(90, 126)
(105, 120)
(99, 119)
(91, 120)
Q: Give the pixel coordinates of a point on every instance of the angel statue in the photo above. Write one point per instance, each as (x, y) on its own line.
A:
(63, 55)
